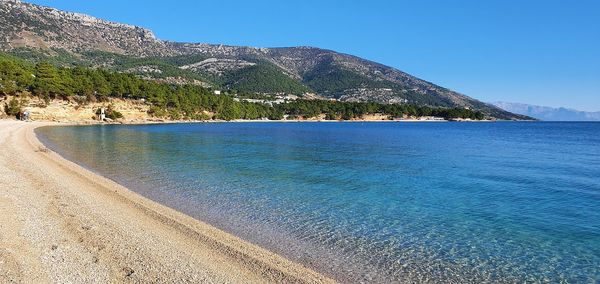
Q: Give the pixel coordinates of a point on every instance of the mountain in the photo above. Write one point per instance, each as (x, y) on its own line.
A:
(549, 113)
(70, 39)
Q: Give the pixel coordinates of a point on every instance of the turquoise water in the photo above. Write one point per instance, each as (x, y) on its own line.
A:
(375, 202)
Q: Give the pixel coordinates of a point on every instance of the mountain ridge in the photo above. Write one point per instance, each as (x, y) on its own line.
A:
(549, 113)
(329, 74)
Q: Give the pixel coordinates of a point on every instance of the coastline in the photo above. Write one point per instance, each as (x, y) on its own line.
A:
(64, 223)
(137, 112)
(166, 121)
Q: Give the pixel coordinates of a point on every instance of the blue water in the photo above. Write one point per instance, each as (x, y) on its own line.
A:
(375, 202)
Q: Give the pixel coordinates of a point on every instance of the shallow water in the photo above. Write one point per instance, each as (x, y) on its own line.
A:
(377, 202)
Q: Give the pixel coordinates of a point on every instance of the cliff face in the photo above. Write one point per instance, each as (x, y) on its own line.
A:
(264, 70)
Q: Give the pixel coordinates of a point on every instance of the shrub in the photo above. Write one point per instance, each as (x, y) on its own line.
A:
(330, 116)
(13, 108)
(113, 114)
(200, 116)
(156, 111)
(110, 112)
(174, 115)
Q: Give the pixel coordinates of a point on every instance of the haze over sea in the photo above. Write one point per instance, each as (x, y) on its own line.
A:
(380, 202)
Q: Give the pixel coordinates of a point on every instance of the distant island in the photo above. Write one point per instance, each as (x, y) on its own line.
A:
(549, 113)
(50, 54)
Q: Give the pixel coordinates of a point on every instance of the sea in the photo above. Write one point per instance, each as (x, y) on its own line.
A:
(389, 202)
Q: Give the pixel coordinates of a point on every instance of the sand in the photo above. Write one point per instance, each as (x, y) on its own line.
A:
(60, 223)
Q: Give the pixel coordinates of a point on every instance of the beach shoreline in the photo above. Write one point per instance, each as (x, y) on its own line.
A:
(63, 223)
(138, 112)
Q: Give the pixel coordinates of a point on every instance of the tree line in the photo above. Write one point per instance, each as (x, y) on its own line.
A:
(48, 82)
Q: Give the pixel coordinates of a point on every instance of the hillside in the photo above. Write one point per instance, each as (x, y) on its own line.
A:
(39, 33)
(82, 88)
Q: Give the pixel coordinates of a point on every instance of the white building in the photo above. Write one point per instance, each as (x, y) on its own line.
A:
(102, 114)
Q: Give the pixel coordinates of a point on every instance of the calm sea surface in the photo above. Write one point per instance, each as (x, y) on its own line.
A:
(375, 202)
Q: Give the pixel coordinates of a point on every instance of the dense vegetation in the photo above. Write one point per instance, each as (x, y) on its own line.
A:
(352, 110)
(326, 77)
(164, 66)
(263, 78)
(84, 85)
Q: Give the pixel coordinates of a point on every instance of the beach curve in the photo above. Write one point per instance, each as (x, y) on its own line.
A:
(62, 223)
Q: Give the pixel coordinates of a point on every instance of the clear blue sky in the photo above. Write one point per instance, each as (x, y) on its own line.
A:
(532, 51)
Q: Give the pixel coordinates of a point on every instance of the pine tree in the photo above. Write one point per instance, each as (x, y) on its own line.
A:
(47, 82)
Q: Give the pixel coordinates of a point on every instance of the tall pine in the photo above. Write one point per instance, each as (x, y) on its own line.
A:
(47, 81)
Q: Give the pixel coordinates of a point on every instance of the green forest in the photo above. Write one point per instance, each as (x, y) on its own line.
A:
(84, 85)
